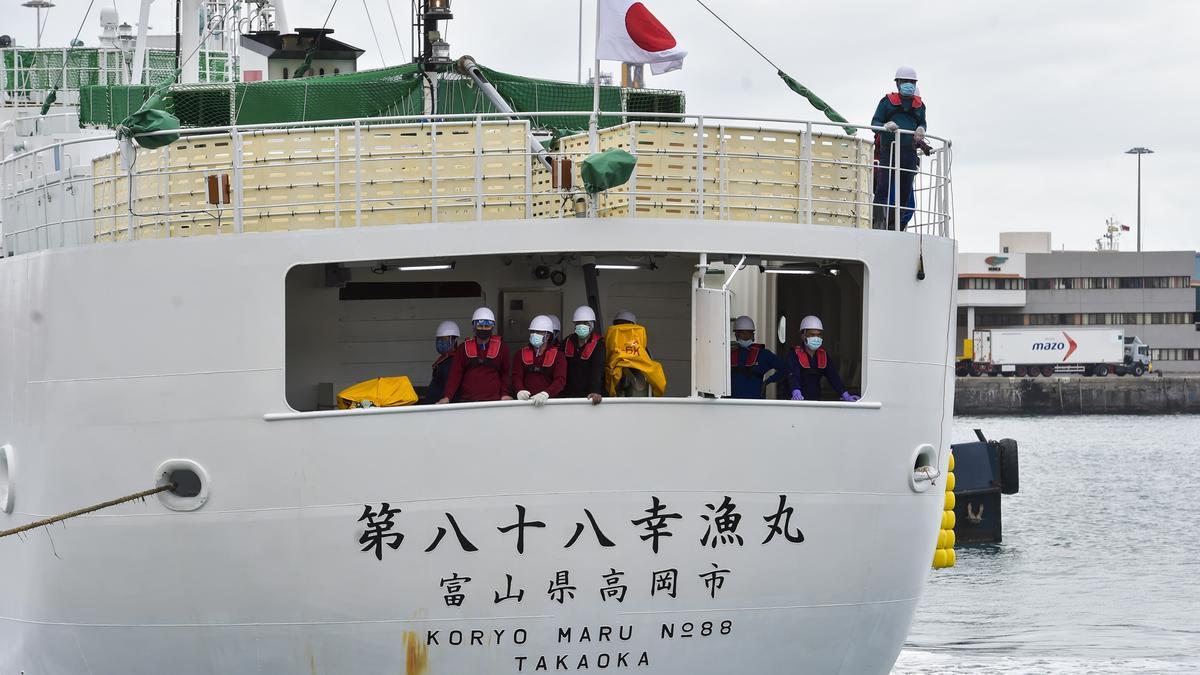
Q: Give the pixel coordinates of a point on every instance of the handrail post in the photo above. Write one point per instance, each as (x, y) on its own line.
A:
(357, 174)
(164, 187)
(238, 204)
(337, 176)
(479, 168)
(722, 173)
(633, 150)
(433, 172)
(894, 187)
(806, 153)
(700, 167)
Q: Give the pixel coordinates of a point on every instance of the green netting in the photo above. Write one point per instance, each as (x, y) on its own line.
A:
(107, 106)
(30, 73)
(397, 91)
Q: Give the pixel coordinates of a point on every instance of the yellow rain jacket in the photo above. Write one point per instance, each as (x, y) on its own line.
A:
(626, 348)
(381, 392)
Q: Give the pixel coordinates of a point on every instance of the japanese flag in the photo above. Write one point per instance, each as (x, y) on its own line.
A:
(629, 33)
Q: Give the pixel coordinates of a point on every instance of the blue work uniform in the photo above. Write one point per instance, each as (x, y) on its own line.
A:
(441, 371)
(806, 376)
(748, 369)
(908, 112)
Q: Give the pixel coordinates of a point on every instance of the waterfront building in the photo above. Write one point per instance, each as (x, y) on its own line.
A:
(1154, 295)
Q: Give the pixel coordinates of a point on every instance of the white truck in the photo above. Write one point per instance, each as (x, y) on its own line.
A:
(1026, 352)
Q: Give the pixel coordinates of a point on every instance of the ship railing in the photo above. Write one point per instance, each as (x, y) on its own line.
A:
(408, 169)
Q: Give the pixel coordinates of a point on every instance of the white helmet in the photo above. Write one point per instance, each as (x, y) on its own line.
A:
(625, 315)
(743, 323)
(447, 329)
(583, 313)
(556, 322)
(906, 73)
(541, 322)
(483, 314)
(810, 322)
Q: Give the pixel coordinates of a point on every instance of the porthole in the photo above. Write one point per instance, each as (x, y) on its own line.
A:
(191, 484)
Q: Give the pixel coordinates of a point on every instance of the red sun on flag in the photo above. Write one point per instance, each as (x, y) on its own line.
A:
(646, 30)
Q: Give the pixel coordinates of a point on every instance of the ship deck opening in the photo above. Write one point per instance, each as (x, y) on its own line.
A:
(352, 321)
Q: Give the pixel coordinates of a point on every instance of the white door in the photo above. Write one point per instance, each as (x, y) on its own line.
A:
(710, 342)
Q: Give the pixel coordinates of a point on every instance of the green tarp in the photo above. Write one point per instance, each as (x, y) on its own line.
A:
(606, 170)
(153, 115)
(816, 101)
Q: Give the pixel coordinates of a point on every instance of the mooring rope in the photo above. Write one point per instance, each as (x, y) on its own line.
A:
(79, 512)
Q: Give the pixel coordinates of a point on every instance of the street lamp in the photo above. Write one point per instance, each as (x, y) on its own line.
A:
(39, 5)
(1139, 151)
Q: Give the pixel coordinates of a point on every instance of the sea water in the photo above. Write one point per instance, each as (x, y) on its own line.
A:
(1099, 570)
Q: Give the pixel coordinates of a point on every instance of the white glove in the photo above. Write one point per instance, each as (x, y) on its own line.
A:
(540, 398)
(919, 134)
(523, 395)
(891, 126)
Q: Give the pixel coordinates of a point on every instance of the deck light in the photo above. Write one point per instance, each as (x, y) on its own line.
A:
(439, 9)
(440, 51)
(782, 270)
(618, 267)
(425, 268)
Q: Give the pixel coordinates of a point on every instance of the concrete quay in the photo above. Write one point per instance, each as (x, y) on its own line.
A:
(1149, 395)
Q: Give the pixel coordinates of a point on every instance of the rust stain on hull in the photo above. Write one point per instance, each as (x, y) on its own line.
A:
(416, 655)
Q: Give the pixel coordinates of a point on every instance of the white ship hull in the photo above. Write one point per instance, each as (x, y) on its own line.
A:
(116, 358)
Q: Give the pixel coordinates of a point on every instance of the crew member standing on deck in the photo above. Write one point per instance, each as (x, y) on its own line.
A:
(480, 370)
(749, 363)
(539, 372)
(584, 350)
(556, 338)
(901, 109)
(809, 362)
(446, 343)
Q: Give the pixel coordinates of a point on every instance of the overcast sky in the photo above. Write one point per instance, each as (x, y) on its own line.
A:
(1041, 99)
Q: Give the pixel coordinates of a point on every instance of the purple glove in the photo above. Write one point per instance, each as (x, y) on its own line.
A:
(848, 397)
(796, 395)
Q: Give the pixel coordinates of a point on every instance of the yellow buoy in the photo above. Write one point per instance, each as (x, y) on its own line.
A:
(949, 539)
(949, 501)
(940, 558)
(951, 462)
(948, 520)
(950, 482)
(941, 539)
(950, 557)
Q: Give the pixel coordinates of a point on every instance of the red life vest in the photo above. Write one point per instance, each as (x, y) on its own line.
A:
(548, 359)
(806, 363)
(588, 348)
(471, 348)
(894, 99)
(751, 360)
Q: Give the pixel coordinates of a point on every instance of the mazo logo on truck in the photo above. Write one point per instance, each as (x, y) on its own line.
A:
(1053, 346)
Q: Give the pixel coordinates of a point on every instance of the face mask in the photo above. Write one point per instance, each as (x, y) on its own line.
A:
(483, 333)
(444, 345)
(814, 343)
(583, 330)
(908, 89)
(537, 339)
(745, 344)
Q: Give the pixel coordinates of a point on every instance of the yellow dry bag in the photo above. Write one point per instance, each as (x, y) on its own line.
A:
(626, 348)
(381, 392)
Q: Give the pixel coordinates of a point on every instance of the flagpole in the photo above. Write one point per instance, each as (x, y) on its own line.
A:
(594, 122)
